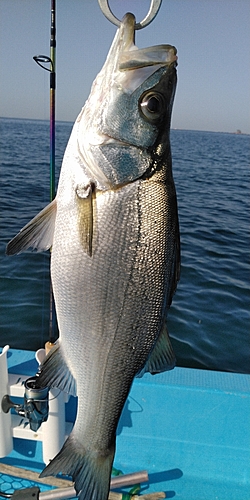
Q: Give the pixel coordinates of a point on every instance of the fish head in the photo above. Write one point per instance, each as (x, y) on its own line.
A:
(126, 119)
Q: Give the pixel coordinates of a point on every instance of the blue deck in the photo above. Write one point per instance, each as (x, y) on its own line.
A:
(190, 429)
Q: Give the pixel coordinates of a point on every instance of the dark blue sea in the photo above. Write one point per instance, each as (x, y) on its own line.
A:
(209, 317)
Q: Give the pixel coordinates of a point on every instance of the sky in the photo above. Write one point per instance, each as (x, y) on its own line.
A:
(212, 38)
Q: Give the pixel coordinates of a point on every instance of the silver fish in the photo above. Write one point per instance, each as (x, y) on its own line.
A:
(115, 255)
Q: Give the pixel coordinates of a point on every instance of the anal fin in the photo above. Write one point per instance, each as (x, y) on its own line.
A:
(162, 358)
(54, 372)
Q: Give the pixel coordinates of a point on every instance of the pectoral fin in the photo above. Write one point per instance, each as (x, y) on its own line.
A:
(85, 216)
(162, 357)
(38, 233)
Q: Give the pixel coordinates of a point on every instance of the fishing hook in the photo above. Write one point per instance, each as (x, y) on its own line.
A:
(153, 11)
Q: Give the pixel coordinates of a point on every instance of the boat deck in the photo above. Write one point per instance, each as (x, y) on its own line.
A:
(190, 429)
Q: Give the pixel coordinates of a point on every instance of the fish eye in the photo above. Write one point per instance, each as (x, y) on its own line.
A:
(151, 105)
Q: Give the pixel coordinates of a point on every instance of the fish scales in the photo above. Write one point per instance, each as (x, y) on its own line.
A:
(115, 254)
(122, 298)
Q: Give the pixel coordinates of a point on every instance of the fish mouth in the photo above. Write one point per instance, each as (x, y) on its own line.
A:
(128, 66)
(131, 57)
(133, 65)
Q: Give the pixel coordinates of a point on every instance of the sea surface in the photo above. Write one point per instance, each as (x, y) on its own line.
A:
(209, 317)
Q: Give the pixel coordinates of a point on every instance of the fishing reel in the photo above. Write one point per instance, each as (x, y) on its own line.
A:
(35, 407)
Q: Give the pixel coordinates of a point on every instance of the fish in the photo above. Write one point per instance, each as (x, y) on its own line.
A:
(115, 252)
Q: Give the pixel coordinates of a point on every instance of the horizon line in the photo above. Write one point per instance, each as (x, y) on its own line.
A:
(237, 132)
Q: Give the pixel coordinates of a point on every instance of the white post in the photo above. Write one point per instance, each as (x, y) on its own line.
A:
(53, 431)
(54, 428)
(6, 441)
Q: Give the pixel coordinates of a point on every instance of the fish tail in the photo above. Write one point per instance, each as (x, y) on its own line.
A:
(90, 469)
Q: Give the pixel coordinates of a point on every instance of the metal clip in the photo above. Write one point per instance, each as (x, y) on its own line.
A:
(153, 11)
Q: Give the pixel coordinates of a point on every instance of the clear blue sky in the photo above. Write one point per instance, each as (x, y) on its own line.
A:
(212, 38)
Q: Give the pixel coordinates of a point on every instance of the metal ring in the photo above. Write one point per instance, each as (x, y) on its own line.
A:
(44, 59)
(153, 10)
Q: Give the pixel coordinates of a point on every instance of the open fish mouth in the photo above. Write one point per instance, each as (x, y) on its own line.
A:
(133, 65)
(131, 57)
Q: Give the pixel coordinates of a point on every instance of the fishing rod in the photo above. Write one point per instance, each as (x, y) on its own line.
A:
(42, 60)
(35, 406)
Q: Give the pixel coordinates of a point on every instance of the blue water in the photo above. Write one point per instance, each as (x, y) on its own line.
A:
(209, 318)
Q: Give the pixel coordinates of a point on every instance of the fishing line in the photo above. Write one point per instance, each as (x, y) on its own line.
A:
(44, 400)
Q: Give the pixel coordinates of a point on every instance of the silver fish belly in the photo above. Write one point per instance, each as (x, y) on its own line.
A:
(115, 254)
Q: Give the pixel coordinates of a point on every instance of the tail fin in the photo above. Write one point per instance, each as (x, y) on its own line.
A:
(90, 469)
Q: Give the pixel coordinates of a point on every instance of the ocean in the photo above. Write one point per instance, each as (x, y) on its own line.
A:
(209, 317)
